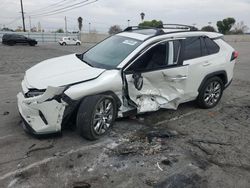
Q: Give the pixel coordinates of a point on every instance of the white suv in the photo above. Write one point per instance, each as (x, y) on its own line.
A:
(69, 41)
(135, 71)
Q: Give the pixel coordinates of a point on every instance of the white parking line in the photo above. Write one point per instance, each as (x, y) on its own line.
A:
(6, 136)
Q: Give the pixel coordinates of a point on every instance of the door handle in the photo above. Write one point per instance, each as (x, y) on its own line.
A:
(178, 78)
(206, 63)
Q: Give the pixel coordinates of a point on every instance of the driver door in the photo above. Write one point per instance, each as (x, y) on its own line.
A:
(156, 78)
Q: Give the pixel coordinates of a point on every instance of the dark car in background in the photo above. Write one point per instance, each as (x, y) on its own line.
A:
(12, 39)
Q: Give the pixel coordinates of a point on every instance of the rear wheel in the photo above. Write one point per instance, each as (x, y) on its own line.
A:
(211, 93)
(78, 43)
(95, 116)
(64, 44)
(31, 44)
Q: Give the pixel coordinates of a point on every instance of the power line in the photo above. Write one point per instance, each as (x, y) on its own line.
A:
(13, 21)
(54, 5)
(64, 9)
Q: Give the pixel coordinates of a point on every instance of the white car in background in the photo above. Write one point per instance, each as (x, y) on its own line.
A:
(135, 71)
(69, 41)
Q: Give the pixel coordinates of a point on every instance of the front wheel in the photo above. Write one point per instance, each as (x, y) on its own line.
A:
(211, 93)
(11, 43)
(96, 116)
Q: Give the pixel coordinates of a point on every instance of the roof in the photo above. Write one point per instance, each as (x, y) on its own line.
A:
(166, 30)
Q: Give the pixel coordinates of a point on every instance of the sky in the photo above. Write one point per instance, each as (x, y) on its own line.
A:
(104, 13)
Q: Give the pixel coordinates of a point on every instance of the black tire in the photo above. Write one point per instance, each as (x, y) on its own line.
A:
(86, 125)
(31, 44)
(78, 44)
(210, 93)
(64, 44)
(11, 43)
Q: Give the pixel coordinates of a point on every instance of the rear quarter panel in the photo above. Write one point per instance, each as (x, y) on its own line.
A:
(199, 68)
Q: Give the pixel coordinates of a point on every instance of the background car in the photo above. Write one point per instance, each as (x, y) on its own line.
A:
(12, 39)
(69, 41)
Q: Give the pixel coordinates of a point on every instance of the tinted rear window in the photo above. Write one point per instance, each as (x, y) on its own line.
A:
(212, 47)
(192, 48)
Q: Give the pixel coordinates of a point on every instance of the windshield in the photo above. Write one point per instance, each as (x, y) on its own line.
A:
(111, 52)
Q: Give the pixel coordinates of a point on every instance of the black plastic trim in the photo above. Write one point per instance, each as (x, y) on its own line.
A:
(217, 73)
(228, 84)
(43, 118)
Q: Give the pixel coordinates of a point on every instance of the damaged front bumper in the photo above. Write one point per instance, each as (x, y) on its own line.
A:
(42, 114)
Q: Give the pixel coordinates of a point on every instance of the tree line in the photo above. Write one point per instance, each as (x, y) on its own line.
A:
(225, 26)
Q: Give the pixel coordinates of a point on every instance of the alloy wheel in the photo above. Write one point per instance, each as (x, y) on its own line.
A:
(103, 116)
(212, 93)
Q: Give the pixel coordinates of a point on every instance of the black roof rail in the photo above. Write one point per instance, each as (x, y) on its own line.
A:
(158, 30)
(179, 26)
(163, 26)
(131, 28)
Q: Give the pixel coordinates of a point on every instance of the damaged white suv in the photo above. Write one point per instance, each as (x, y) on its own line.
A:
(135, 71)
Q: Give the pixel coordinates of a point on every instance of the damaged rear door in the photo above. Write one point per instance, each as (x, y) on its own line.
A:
(157, 78)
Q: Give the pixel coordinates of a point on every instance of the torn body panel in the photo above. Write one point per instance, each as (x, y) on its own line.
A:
(43, 113)
(159, 89)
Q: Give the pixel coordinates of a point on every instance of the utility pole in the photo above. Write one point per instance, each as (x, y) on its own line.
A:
(66, 29)
(89, 27)
(24, 30)
(30, 23)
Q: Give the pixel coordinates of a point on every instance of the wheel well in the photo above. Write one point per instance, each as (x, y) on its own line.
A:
(70, 115)
(223, 77)
(221, 74)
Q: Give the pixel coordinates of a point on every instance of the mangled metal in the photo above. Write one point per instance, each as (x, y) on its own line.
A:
(159, 89)
(43, 113)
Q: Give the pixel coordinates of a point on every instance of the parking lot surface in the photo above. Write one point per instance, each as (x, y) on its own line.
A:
(189, 147)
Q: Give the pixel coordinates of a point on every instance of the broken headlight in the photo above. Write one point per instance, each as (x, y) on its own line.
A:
(34, 93)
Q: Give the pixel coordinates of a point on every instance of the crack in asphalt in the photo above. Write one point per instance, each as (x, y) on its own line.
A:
(40, 148)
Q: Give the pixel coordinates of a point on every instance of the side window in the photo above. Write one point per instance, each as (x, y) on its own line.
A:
(204, 51)
(192, 48)
(154, 58)
(212, 47)
(19, 37)
(176, 50)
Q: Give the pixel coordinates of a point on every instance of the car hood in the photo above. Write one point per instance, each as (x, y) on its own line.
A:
(60, 71)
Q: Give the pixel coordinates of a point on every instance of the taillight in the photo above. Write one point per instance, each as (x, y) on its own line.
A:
(235, 55)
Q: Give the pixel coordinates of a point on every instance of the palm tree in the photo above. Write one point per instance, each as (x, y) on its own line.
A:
(142, 16)
(80, 23)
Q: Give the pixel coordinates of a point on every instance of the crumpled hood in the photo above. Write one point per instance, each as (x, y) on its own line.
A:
(60, 71)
